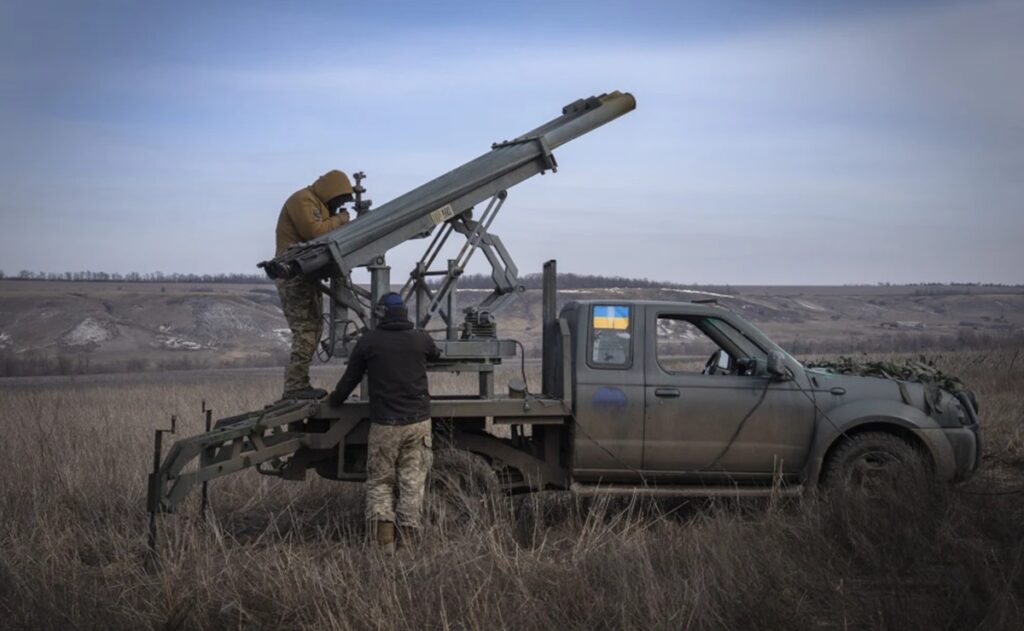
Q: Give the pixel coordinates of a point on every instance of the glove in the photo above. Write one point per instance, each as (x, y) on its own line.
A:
(334, 399)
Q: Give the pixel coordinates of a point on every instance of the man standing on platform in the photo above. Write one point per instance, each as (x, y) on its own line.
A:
(307, 214)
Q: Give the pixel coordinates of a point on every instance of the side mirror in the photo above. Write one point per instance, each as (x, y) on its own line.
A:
(777, 366)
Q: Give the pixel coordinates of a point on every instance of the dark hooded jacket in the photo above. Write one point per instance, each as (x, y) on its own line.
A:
(395, 356)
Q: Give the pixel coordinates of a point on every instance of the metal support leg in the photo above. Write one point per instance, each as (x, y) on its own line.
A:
(380, 284)
(158, 440)
(487, 382)
(204, 459)
(422, 304)
(453, 271)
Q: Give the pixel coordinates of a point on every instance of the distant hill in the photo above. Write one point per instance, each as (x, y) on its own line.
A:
(68, 326)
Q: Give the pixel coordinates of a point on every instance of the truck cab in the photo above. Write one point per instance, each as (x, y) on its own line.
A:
(688, 394)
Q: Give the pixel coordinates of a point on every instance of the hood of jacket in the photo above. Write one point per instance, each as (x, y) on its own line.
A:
(330, 185)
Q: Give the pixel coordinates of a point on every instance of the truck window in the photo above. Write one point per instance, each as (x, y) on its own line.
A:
(611, 328)
(681, 346)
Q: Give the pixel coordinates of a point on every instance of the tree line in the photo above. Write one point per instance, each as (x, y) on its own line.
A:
(137, 277)
(469, 281)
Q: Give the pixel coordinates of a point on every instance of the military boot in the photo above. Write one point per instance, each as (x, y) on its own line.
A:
(386, 536)
(309, 392)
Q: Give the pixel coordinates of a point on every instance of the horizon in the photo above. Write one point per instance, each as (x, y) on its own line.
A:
(247, 278)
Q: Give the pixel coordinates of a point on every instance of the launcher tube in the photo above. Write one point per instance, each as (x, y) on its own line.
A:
(507, 164)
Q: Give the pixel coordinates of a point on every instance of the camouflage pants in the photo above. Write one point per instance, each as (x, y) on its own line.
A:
(398, 456)
(302, 304)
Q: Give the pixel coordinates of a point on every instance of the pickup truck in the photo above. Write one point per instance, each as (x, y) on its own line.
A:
(681, 398)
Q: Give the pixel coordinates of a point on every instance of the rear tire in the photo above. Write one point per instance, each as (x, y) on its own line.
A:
(874, 461)
(461, 486)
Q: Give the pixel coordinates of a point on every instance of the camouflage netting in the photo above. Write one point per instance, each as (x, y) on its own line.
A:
(922, 370)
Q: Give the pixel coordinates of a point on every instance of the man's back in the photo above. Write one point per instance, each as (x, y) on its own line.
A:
(396, 360)
(399, 443)
(395, 357)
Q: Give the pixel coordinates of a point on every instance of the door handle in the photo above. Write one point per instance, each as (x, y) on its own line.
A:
(838, 390)
(666, 392)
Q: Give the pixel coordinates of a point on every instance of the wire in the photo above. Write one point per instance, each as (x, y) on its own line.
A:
(624, 465)
(522, 363)
(739, 428)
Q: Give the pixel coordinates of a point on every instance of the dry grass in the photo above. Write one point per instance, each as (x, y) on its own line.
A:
(292, 555)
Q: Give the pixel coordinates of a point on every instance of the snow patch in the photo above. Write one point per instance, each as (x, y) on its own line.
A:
(90, 332)
(172, 343)
(619, 290)
(5, 340)
(810, 305)
(215, 318)
(695, 291)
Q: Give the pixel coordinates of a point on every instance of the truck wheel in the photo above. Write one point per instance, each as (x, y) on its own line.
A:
(461, 485)
(873, 461)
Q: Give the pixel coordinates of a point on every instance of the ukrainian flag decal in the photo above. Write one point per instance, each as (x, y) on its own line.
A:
(611, 317)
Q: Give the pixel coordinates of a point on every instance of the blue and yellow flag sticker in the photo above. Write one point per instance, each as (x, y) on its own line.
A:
(609, 317)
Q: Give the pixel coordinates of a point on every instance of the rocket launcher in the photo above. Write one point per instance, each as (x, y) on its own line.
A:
(448, 200)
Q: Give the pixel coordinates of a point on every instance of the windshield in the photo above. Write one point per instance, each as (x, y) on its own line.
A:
(760, 341)
(749, 347)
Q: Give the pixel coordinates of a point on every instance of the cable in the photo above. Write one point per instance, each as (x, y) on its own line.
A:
(522, 363)
(739, 428)
(643, 478)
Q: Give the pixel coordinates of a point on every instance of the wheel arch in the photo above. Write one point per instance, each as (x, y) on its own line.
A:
(924, 440)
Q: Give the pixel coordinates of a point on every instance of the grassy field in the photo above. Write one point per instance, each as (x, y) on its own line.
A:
(287, 555)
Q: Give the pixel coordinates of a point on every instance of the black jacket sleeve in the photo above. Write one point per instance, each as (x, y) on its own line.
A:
(353, 375)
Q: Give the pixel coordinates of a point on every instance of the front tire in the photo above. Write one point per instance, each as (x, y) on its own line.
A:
(874, 461)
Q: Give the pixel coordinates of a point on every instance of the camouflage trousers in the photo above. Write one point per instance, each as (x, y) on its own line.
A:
(302, 304)
(398, 458)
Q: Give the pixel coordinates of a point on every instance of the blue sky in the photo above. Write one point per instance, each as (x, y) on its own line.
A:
(790, 143)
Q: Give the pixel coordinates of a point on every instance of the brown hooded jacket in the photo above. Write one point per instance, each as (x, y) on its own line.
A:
(305, 215)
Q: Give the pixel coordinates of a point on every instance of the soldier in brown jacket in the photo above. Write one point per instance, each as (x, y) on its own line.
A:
(308, 213)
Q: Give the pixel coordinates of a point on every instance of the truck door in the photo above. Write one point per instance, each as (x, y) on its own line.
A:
(608, 443)
(712, 411)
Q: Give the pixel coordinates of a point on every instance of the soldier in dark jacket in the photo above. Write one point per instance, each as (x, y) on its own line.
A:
(307, 214)
(394, 355)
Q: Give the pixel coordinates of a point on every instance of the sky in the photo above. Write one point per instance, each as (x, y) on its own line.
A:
(773, 143)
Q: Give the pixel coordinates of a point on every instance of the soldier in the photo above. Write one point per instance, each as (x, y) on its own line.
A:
(307, 214)
(399, 446)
